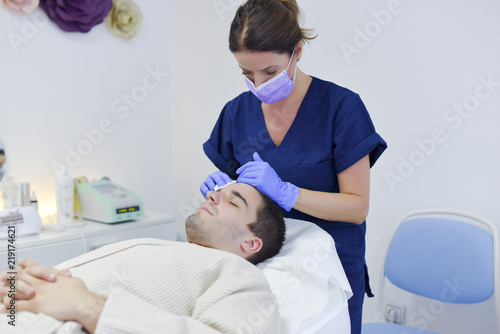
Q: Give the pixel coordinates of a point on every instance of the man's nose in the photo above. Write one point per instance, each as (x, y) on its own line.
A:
(214, 196)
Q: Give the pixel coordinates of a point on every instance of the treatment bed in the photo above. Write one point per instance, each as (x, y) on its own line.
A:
(306, 278)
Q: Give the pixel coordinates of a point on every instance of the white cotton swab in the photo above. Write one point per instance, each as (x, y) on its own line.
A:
(217, 187)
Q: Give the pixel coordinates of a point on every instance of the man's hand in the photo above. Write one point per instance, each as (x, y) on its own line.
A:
(65, 299)
(24, 290)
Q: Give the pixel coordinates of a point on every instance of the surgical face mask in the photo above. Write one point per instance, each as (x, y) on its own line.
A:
(275, 89)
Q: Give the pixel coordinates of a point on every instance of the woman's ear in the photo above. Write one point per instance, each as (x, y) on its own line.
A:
(252, 246)
(298, 50)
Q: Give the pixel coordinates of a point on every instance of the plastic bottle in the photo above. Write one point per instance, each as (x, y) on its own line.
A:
(65, 188)
(25, 194)
(34, 201)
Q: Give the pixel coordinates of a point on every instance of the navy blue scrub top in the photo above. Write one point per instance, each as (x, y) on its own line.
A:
(331, 131)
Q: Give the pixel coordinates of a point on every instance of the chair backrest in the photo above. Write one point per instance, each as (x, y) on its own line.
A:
(443, 259)
(448, 256)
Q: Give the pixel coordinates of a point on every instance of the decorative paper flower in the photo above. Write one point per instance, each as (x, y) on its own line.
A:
(125, 18)
(77, 15)
(21, 6)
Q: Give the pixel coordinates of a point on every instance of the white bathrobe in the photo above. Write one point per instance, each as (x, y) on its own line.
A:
(157, 286)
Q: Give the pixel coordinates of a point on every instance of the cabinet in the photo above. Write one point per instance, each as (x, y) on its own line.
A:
(51, 247)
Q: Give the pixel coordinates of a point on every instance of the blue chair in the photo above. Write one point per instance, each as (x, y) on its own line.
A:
(442, 270)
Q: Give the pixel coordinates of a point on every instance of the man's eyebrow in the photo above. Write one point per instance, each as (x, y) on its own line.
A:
(237, 194)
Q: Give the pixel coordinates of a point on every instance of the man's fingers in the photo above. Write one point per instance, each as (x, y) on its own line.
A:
(3, 273)
(20, 305)
(16, 288)
(37, 270)
(28, 278)
(26, 263)
(5, 304)
(3, 277)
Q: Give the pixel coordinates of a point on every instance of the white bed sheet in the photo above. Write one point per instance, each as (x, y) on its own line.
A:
(309, 282)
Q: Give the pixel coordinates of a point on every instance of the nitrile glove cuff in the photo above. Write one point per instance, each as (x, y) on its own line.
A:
(287, 196)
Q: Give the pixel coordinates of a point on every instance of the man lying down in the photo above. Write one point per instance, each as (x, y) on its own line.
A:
(158, 286)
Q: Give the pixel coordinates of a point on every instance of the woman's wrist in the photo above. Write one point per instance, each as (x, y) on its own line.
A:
(290, 194)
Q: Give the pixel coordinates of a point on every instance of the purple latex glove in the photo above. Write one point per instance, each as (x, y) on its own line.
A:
(262, 176)
(215, 179)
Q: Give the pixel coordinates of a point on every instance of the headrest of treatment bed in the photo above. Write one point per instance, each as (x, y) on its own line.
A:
(305, 276)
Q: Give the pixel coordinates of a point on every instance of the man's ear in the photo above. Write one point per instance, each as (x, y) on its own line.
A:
(252, 246)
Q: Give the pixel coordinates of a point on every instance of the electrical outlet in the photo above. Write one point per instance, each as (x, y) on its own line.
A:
(394, 313)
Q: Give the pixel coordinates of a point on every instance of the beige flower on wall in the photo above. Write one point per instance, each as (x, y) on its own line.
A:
(21, 6)
(124, 19)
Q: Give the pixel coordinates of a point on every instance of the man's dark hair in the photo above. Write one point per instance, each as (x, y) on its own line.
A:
(270, 227)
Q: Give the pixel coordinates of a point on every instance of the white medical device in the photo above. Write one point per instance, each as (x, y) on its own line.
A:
(107, 202)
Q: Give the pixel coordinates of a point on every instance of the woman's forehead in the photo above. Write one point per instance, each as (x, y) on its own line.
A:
(259, 60)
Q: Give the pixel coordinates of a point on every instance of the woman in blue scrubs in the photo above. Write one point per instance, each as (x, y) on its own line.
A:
(307, 143)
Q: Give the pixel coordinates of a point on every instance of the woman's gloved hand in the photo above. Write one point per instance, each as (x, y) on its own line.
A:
(215, 179)
(262, 176)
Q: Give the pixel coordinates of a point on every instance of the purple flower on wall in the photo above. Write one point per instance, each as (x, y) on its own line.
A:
(77, 15)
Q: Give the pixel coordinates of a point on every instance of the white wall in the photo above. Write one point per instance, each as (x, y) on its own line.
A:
(206, 76)
(416, 66)
(57, 86)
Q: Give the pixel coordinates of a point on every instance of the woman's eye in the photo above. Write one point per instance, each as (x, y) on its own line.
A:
(233, 204)
(271, 73)
(245, 73)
